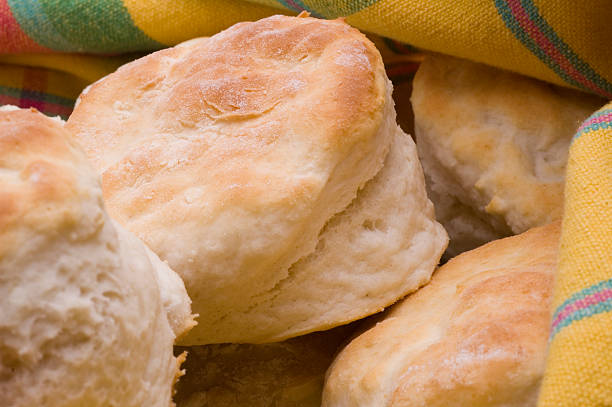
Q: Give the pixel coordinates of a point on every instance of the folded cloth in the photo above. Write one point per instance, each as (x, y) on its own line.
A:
(51, 92)
(40, 39)
(579, 367)
(113, 26)
(30, 30)
(51, 82)
(561, 42)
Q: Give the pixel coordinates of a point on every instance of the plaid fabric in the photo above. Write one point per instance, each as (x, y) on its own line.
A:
(51, 83)
(49, 91)
(561, 42)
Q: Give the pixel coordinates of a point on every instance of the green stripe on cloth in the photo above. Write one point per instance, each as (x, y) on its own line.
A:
(523, 18)
(582, 294)
(562, 46)
(33, 21)
(601, 122)
(81, 25)
(297, 5)
(595, 309)
(51, 105)
(587, 302)
(341, 8)
(329, 9)
(47, 97)
(514, 26)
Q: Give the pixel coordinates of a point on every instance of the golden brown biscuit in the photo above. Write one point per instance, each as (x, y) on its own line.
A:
(474, 336)
(229, 156)
(494, 146)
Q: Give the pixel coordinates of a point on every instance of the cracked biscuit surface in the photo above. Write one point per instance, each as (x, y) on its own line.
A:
(83, 321)
(228, 156)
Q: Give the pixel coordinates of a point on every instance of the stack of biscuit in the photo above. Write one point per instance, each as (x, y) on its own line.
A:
(258, 181)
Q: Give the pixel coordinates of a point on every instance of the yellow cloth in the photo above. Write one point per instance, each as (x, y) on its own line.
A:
(563, 42)
(579, 367)
(560, 42)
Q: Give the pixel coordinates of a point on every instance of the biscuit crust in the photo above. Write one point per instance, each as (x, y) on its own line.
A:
(228, 156)
(474, 336)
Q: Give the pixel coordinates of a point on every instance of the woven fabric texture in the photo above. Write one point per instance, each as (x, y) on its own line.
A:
(579, 367)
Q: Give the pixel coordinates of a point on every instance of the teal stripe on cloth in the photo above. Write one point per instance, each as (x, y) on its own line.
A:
(593, 127)
(556, 54)
(297, 5)
(33, 21)
(595, 309)
(602, 285)
(339, 8)
(47, 97)
(562, 46)
(327, 9)
(508, 17)
(602, 119)
(103, 26)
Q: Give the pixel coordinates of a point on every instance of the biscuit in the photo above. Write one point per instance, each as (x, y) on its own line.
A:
(236, 159)
(83, 319)
(475, 336)
(494, 146)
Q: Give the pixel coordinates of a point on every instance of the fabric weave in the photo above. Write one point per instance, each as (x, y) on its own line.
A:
(579, 366)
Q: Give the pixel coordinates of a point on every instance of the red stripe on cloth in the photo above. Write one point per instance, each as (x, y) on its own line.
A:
(35, 80)
(51, 109)
(583, 303)
(597, 119)
(12, 38)
(10, 100)
(547, 46)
